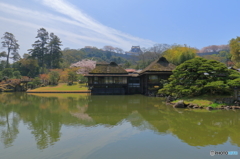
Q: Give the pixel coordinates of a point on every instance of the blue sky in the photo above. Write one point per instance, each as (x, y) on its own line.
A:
(122, 23)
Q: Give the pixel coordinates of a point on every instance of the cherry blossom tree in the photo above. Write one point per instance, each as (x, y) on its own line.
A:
(214, 48)
(85, 66)
(109, 48)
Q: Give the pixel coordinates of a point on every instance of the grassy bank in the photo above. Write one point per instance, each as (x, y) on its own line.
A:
(204, 100)
(61, 95)
(62, 87)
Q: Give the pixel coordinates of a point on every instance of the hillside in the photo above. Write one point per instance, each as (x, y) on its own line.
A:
(99, 55)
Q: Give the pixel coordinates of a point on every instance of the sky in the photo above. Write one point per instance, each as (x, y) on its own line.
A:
(122, 23)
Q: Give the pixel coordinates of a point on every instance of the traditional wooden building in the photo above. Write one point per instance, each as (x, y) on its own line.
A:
(113, 79)
(153, 74)
(108, 79)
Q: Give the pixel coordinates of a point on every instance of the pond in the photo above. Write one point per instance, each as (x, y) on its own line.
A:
(81, 126)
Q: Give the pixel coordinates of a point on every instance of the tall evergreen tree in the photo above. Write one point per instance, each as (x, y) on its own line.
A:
(40, 46)
(10, 43)
(54, 57)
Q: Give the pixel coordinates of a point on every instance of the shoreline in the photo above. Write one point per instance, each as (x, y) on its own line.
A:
(180, 104)
(32, 91)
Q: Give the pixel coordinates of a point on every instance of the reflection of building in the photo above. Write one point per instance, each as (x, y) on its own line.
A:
(135, 50)
(112, 79)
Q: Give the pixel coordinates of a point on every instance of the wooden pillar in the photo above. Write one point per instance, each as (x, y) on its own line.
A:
(127, 85)
(141, 84)
(145, 84)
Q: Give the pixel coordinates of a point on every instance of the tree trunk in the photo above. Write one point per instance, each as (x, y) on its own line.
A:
(8, 57)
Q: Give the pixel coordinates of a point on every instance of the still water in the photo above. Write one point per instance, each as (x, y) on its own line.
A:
(81, 126)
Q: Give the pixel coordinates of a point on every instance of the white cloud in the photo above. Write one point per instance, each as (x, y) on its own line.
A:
(69, 10)
(75, 28)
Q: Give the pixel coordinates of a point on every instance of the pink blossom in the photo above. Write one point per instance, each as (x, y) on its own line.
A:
(85, 65)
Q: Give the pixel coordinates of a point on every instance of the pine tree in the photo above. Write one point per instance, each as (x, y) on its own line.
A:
(12, 46)
(55, 54)
(40, 46)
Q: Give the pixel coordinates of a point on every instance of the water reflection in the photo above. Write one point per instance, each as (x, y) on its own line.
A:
(45, 114)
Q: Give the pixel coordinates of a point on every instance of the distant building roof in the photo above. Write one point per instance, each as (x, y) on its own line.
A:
(159, 65)
(134, 50)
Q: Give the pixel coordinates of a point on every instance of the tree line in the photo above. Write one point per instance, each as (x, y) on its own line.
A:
(46, 54)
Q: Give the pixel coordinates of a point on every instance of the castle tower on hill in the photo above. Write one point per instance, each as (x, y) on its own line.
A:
(135, 50)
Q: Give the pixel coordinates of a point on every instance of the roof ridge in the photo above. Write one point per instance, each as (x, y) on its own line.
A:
(160, 64)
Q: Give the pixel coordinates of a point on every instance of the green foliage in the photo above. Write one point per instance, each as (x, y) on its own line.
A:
(163, 82)
(3, 54)
(54, 56)
(36, 81)
(234, 83)
(221, 56)
(43, 70)
(8, 72)
(28, 67)
(177, 54)
(233, 74)
(46, 50)
(3, 65)
(82, 79)
(17, 74)
(40, 46)
(215, 105)
(225, 54)
(62, 87)
(235, 50)
(214, 57)
(216, 87)
(54, 77)
(199, 76)
(10, 43)
(72, 76)
(127, 64)
(72, 56)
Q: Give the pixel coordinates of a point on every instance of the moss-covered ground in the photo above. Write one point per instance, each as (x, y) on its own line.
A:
(204, 100)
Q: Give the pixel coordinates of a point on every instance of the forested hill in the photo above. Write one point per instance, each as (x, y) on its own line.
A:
(207, 53)
(75, 55)
(175, 54)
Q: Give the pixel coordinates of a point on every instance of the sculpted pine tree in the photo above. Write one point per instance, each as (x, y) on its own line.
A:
(10, 43)
(199, 76)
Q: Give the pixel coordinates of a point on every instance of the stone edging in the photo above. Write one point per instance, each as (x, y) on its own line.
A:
(181, 104)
